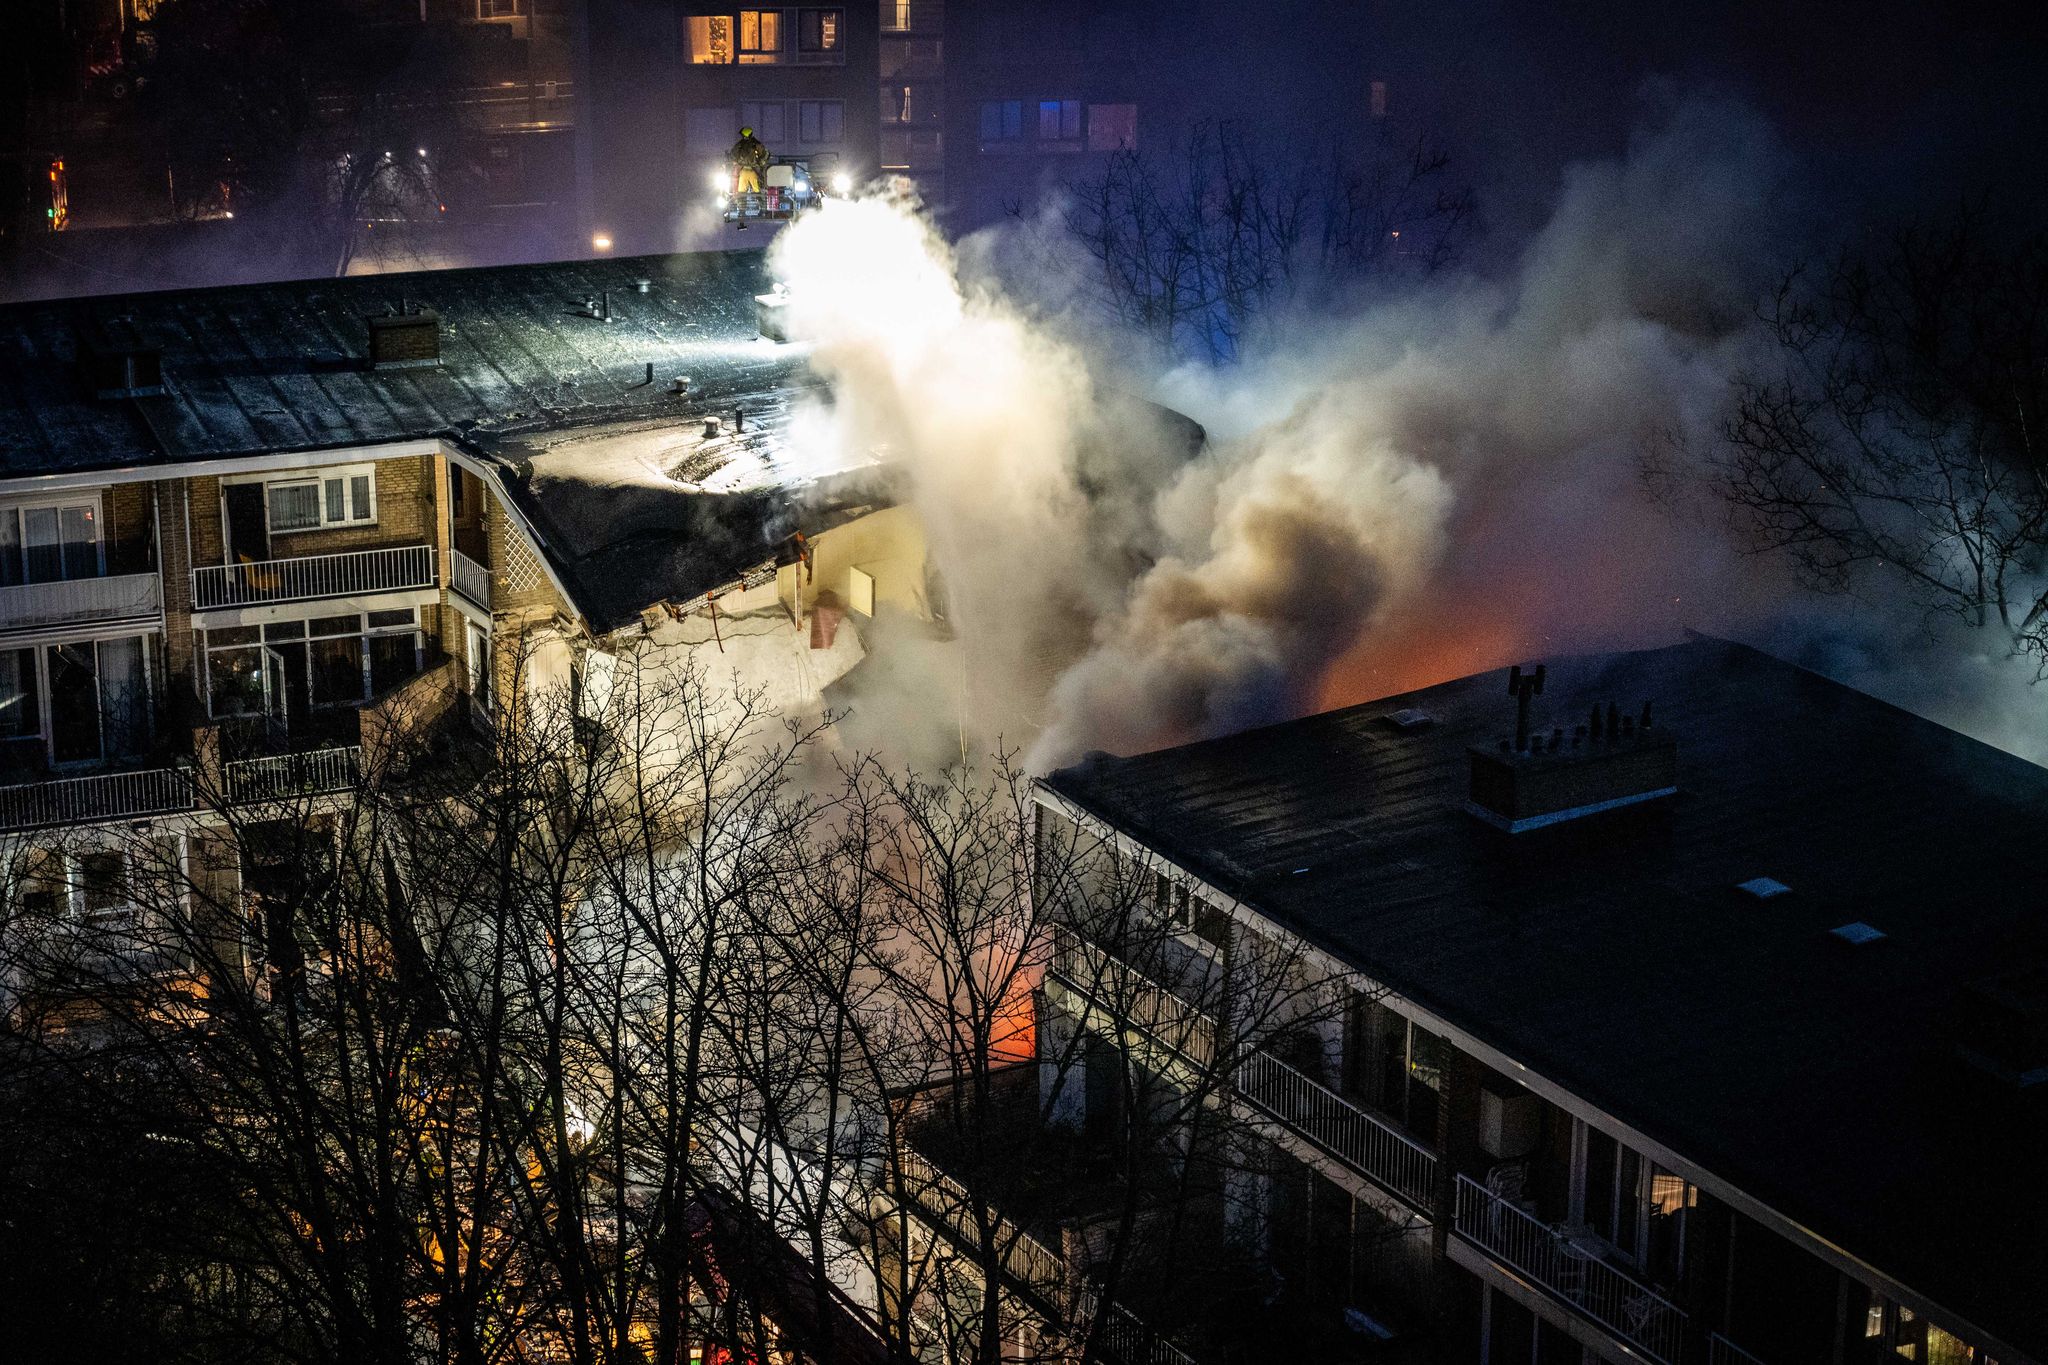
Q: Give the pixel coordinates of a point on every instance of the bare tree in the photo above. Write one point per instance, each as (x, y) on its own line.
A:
(1891, 440)
(1193, 250)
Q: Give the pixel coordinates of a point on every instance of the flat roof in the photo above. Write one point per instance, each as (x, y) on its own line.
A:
(256, 369)
(1617, 957)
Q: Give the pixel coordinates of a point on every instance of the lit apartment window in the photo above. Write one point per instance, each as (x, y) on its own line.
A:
(765, 117)
(711, 40)
(817, 31)
(44, 542)
(281, 668)
(895, 15)
(760, 35)
(895, 104)
(1059, 121)
(501, 9)
(346, 497)
(821, 121)
(1002, 120)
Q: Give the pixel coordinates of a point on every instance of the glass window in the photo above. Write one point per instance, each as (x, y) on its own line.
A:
(823, 120)
(335, 510)
(78, 527)
(124, 696)
(19, 714)
(711, 40)
(11, 572)
(1002, 120)
(817, 30)
(1112, 127)
(393, 659)
(401, 616)
(1059, 120)
(294, 506)
(765, 118)
(285, 630)
(102, 881)
(337, 667)
(234, 682)
(337, 625)
(360, 506)
(760, 31)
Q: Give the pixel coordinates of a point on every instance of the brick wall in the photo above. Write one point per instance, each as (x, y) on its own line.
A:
(405, 515)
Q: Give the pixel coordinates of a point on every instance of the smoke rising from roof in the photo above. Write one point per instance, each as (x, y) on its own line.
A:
(1404, 490)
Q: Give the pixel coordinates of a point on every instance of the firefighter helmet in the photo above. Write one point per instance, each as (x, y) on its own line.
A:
(746, 132)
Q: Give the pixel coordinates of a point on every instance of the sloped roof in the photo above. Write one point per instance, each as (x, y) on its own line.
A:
(1616, 957)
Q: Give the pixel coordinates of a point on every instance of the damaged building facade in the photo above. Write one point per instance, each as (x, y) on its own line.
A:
(252, 538)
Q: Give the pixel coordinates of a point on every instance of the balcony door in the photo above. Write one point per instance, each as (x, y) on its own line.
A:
(50, 542)
(248, 525)
(99, 700)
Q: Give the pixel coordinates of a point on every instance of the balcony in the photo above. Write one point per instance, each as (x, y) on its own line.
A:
(122, 597)
(90, 800)
(469, 578)
(279, 777)
(350, 574)
(1358, 1138)
(1569, 1268)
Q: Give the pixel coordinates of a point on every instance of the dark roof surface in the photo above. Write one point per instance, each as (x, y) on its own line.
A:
(257, 368)
(1614, 956)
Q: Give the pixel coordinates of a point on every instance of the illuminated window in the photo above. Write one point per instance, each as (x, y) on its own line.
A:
(1059, 120)
(500, 9)
(821, 120)
(817, 31)
(1002, 120)
(341, 497)
(711, 40)
(760, 34)
(895, 15)
(895, 104)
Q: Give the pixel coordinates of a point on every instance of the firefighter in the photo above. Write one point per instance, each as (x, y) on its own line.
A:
(748, 157)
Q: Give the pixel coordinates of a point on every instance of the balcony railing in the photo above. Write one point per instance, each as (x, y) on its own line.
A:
(1570, 1269)
(1110, 980)
(1721, 1351)
(1129, 1340)
(313, 576)
(87, 800)
(280, 776)
(1362, 1141)
(1358, 1138)
(1025, 1259)
(470, 578)
(81, 599)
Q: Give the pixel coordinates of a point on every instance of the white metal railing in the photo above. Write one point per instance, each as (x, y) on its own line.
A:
(84, 800)
(1721, 1351)
(1571, 1270)
(1361, 1140)
(279, 776)
(470, 578)
(1110, 980)
(311, 576)
(1025, 1258)
(1132, 1342)
(81, 599)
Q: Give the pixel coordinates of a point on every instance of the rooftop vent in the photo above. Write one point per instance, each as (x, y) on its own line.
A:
(1535, 780)
(771, 314)
(2002, 1028)
(1408, 720)
(1856, 933)
(1763, 888)
(407, 339)
(117, 364)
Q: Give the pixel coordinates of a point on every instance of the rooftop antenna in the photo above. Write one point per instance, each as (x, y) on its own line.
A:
(1522, 687)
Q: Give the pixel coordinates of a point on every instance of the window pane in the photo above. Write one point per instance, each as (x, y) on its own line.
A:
(359, 498)
(1048, 120)
(294, 506)
(45, 554)
(338, 670)
(10, 548)
(337, 625)
(285, 630)
(234, 680)
(334, 512)
(79, 527)
(232, 635)
(711, 39)
(74, 703)
(103, 881)
(124, 696)
(18, 712)
(401, 616)
(835, 121)
(393, 659)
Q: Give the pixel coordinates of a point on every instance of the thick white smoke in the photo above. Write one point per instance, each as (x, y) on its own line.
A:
(1439, 482)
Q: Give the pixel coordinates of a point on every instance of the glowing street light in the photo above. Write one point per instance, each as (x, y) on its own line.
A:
(601, 242)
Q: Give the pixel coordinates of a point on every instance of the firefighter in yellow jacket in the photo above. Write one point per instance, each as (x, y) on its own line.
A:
(749, 157)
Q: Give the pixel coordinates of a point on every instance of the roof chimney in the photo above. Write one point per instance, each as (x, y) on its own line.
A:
(116, 363)
(405, 340)
(1524, 783)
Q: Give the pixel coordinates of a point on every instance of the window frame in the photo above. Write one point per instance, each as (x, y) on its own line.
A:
(808, 111)
(205, 648)
(18, 508)
(319, 480)
(780, 108)
(758, 53)
(1010, 121)
(824, 51)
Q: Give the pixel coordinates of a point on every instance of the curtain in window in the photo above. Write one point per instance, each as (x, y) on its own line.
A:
(124, 696)
(359, 497)
(338, 670)
(294, 506)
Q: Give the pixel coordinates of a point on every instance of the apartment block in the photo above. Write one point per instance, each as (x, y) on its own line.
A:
(1692, 1014)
